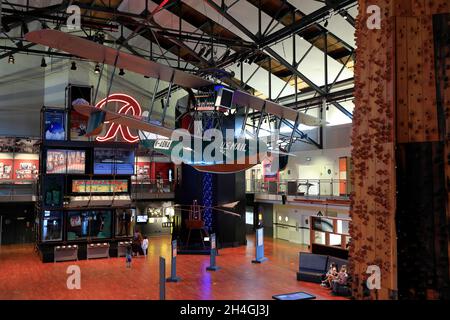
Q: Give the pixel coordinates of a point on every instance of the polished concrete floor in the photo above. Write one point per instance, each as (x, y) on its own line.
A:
(23, 276)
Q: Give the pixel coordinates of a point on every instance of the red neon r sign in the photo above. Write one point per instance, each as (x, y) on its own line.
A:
(129, 105)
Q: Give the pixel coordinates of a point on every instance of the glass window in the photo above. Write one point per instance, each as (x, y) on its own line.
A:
(335, 239)
(77, 225)
(123, 222)
(52, 226)
(319, 237)
(89, 224)
(53, 191)
(100, 224)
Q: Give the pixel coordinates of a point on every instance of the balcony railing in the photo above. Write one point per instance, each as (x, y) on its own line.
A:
(314, 188)
(11, 191)
(152, 188)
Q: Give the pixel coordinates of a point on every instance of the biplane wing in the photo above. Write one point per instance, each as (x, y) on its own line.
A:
(124, 119)
(93, 51)
(245, 99)
(103, 54)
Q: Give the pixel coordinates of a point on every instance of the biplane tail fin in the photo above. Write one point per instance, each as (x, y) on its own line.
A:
(96, 119)
(95, 123)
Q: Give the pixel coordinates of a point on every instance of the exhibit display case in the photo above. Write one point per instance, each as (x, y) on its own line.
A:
(85, 207)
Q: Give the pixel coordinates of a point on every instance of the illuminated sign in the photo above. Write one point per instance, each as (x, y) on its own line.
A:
(99, 186)
(130, 107)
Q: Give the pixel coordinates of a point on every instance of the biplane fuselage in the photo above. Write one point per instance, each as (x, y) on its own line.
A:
(212, 156)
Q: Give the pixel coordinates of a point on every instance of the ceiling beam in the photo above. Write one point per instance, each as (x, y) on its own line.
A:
(275, 55)
(22, 16)
(302, 23)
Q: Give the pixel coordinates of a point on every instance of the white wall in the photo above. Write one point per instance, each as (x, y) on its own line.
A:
(21, 96)
(337, 144)
(321, 160)
(25, 88)
(298, 216)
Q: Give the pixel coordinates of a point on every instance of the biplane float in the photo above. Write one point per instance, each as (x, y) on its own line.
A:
(233, 156)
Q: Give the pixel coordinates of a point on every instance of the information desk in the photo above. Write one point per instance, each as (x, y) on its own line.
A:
(65, 253)
(97, 250)
(122, 248)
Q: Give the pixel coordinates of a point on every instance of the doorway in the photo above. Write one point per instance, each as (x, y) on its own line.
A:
(17, 224)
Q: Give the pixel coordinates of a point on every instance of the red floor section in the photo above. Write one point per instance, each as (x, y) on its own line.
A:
(23, 276)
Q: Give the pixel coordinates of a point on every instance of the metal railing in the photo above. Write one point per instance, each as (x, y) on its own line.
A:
(301, 187)
(152, 186)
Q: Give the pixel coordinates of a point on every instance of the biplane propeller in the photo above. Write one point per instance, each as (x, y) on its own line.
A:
(233, 156)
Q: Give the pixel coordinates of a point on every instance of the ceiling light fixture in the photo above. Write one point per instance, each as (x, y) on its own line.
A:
(97, 69)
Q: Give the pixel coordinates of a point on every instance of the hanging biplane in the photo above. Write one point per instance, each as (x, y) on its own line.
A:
(218, 100)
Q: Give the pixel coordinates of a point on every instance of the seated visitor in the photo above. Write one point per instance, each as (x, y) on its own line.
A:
(341, 278)
(329, 276)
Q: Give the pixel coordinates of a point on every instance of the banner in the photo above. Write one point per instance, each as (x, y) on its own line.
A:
(100, 186)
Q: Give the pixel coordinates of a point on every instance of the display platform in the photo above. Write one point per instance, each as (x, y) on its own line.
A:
(294, 296)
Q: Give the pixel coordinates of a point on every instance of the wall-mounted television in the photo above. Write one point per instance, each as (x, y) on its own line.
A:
(113, 161)
(66, 161)
(99, 186)
(142, 219)
(224, 98)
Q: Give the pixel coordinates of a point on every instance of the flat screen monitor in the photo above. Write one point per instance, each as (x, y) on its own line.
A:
(54, 125)
(224, 98)
(113, 161)
(142, 219)
(66, 161)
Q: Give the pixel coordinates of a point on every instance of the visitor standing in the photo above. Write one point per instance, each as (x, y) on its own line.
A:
(145, 246)
(128, 256)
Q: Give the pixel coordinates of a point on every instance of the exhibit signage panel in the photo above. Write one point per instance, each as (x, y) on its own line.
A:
(99, 186)
(19, 166)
